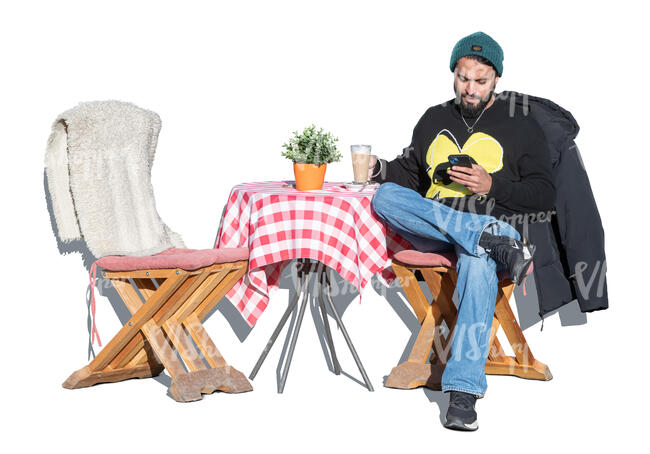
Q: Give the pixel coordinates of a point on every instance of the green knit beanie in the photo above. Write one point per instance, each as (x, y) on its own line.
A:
(481, 44)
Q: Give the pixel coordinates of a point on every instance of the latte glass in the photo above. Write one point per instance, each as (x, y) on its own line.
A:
(360, 162)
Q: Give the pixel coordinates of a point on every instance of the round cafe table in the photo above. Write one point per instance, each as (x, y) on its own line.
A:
(330, 229)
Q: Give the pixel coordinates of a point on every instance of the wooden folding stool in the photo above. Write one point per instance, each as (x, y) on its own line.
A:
(168, 305)
(423, 369)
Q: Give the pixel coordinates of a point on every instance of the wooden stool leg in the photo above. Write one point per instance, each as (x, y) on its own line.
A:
(99, 369)
(523, 364)
(202, 340)
(444, 301)
(411, 288)
(166, 325)
(496, 352)
(213, 374)
(418, 371)
(156, 340)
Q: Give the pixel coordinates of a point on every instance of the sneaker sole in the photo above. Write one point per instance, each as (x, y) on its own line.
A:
(457, 424)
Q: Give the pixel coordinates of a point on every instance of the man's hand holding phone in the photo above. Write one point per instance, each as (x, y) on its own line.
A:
(469, 174)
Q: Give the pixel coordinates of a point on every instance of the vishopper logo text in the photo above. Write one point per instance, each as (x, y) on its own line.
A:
(585, 278)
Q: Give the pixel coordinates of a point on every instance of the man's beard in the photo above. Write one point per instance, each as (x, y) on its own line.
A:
(472, 110)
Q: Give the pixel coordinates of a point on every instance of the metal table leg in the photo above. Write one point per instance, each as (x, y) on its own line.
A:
(299, 292)
(292, 345)
(323, 289)
(326, 323)
(345, 334)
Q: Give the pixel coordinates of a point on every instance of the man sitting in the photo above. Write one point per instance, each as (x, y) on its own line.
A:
(474, 210)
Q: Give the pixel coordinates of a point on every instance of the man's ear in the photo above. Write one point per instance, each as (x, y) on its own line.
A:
(496, 81)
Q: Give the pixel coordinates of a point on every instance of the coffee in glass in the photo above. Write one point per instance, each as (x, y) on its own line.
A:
(360, 162)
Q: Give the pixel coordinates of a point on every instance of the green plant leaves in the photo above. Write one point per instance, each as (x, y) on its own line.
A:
(312, 147)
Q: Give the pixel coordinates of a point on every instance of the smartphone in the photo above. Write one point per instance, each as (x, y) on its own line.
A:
(461, 160)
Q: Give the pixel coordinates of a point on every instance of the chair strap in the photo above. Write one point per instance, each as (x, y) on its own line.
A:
(93, 330)
(530, 270)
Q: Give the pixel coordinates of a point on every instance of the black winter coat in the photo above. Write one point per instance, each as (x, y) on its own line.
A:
(569, 261)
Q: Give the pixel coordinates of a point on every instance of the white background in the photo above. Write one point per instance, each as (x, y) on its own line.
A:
(230, 82)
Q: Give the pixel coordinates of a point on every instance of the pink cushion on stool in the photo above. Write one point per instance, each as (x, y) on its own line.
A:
(417, 258)
(448, 259)
(185, 259)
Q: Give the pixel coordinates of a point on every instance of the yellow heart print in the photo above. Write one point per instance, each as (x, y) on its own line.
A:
(485, 149)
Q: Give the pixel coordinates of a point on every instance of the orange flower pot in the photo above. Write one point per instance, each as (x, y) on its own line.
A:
(309, 176)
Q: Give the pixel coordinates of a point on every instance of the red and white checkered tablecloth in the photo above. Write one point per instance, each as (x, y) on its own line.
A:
(278, 223)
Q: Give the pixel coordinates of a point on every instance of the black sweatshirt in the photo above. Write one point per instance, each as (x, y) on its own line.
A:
(507, 144)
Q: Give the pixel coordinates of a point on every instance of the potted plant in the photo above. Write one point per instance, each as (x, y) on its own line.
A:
(310, 152)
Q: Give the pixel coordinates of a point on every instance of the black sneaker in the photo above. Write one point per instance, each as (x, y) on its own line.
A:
(515, 255)
(461, 414)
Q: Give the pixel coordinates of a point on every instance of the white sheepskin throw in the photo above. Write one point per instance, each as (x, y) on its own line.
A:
(98, 166)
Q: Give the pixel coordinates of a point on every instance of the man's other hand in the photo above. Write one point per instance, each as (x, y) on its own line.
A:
(371, 166)
(475, 179)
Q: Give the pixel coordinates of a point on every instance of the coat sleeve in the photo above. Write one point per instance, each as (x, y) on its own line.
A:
(581, 231)
(534, 191)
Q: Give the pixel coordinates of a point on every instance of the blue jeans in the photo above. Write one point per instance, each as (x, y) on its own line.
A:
(431, 226)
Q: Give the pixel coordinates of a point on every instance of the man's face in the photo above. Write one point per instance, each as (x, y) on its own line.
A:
(474, 84)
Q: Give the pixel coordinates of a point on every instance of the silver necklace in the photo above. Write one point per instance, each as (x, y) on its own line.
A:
(470, 129)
